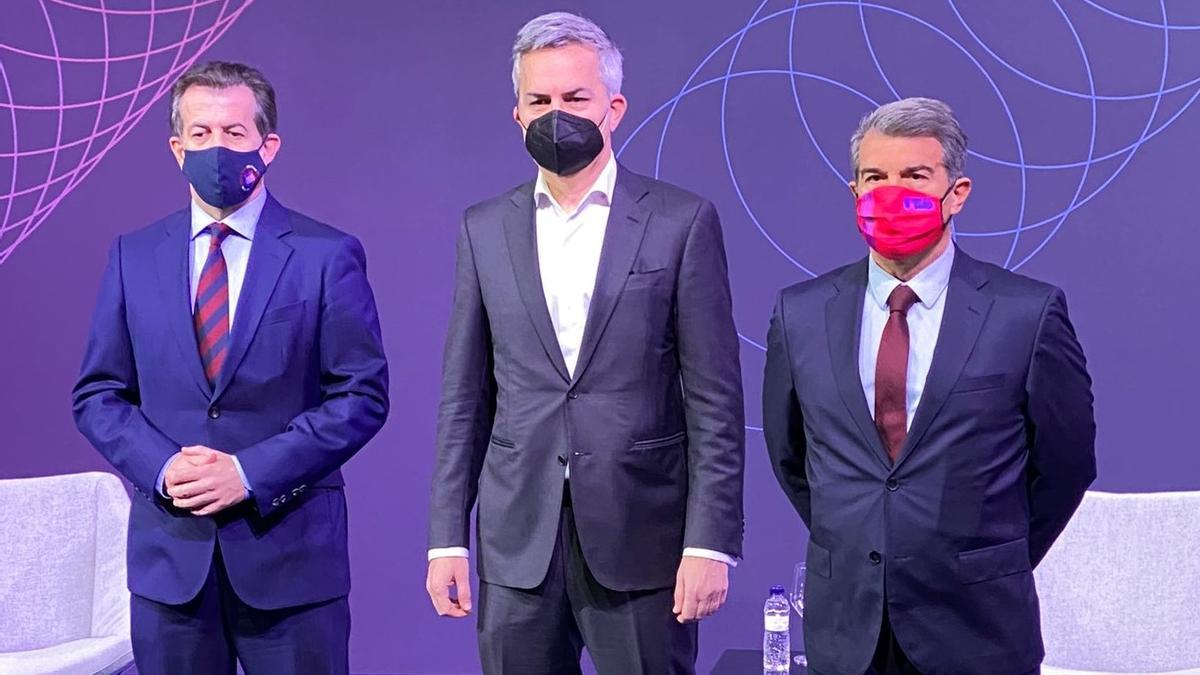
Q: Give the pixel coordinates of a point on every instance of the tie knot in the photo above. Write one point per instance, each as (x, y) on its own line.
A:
(901, 299)
(219, 232)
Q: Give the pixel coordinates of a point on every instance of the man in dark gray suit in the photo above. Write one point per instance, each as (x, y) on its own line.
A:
(930, 418)
(591, 395)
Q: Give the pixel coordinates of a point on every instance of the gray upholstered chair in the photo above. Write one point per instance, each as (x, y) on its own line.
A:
(1120, 589)
(64, 606)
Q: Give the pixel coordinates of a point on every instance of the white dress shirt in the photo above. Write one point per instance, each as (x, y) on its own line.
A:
(569, 244)
(924, 325)
(236, 249)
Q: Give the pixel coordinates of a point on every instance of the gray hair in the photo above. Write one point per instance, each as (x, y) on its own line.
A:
(916, 117)
(558, 29)
(221, 75)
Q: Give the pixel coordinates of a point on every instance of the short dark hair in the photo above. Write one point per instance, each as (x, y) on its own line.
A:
(223, 74)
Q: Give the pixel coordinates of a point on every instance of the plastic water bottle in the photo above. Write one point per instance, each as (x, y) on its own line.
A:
(777, 641)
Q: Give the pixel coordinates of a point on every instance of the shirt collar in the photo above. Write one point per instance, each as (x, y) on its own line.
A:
(601, 190)
(929, 284)
(243, 222)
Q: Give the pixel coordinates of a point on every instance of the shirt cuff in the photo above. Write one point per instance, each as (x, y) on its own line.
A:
(449, 552)
(711, 555)
(242, 474)
(160, 485)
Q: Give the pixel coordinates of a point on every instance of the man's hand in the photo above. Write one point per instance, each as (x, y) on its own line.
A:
(204, 481)
(700, 588)
(445, 573)
(177, 463)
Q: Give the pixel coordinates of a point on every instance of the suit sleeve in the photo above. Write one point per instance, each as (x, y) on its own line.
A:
(106, 401)
(1060, 425)
(712, 386)
(354, 389)
(467, 410)
(783, 422)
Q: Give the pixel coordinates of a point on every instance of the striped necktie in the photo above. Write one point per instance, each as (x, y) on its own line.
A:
(211, 316)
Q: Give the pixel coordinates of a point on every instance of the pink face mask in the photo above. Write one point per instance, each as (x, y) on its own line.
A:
(899, 223)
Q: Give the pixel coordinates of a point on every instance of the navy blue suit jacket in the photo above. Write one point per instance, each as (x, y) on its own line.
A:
(304, 388)
(997, 458)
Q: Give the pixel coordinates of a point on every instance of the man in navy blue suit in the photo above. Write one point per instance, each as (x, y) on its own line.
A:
(930, 418)
(234, 364)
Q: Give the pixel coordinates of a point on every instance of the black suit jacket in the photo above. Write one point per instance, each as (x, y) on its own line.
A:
(997, 458)
(652, 423)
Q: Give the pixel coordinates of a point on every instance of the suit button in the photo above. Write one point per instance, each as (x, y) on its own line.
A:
(892, 484)
(875, 557)
(572, 395)
(214, 413)
(562, 460)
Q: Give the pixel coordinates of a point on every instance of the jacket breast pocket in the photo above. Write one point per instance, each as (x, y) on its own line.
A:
(284, 314)
(647, 278)
(980, 383)
(279, 347)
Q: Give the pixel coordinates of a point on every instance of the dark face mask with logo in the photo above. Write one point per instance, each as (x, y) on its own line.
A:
(223, 178)
(562, 143)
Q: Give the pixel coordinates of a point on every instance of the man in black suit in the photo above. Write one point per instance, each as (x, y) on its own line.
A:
(930, 418)
(591, 395)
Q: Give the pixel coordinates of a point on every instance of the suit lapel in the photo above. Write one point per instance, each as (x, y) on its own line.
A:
(966, 309)
(520, 235)
(174, 283)
(268, 254)
(843, 324)
(622, 238)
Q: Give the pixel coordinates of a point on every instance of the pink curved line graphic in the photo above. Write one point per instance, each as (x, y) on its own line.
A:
(33, 193)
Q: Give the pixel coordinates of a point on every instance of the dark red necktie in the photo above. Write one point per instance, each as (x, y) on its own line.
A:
(212, 306)
(891, 373)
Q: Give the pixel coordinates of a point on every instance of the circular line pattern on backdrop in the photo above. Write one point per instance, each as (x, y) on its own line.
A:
(863, 13)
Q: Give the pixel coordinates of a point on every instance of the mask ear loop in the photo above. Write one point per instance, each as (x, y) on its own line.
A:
(259, 151)
(941, 201)
(600, 124)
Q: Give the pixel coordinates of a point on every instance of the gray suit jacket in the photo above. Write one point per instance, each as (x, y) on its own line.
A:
(998, 457)
(652, 423)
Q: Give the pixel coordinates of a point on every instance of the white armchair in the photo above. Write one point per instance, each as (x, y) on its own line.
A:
(64, 604)
(1120, 589)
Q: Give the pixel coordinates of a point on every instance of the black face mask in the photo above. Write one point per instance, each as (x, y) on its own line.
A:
(562, 143)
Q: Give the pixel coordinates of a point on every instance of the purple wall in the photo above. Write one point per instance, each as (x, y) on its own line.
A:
(396, 115)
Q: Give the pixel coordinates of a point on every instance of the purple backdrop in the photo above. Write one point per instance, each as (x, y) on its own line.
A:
(396, 115)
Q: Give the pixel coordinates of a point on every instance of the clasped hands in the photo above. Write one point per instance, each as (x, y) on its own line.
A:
(203, 481)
